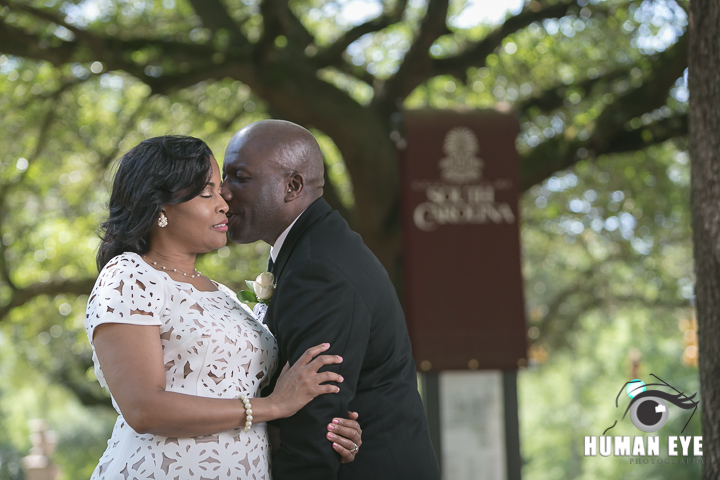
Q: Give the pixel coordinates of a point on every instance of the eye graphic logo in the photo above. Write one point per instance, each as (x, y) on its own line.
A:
(648, 408)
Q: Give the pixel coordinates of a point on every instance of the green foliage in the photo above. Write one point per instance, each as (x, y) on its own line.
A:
(613, 232)
(64, 132)
(560, 75)
(247, 296)
(10, 453)
(606, 245)
(607, 261)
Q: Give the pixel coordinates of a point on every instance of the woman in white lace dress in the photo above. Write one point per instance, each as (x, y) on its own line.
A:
(176, 350)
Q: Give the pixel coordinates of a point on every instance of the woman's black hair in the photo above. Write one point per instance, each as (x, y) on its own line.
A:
(159, 171)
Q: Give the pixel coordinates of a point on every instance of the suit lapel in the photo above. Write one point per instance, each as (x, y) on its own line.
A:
(317, 210)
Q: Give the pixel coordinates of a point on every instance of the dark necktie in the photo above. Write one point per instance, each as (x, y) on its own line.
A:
(271, 264)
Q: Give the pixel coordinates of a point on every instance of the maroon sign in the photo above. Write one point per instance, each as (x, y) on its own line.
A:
(462, 284)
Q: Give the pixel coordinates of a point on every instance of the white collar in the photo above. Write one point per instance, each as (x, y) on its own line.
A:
(275, 249)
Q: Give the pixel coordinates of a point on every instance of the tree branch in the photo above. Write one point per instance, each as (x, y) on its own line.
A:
(129, 124)
(4, 270)
(21, 296)
(65, 85)
(558, 153)
(271, 29)
(7, 188)
(115, 53)
(417, 63)
(554, 97)
(475, 55)
(278, 19)
(609, 134)
(299, 37)
(16, 42)
(332, 55)
(216, 17)
(418, 66)
(46, 15)
(232, 68)
(32, 156)
(667, 68)
(354, 72)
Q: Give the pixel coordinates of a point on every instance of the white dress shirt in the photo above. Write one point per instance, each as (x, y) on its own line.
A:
(260, 309)
(275, 249)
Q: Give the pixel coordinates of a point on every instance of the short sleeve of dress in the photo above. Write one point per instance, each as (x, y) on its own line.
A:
(126, 291)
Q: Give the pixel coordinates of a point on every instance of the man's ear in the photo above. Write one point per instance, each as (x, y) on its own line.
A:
(294, 187)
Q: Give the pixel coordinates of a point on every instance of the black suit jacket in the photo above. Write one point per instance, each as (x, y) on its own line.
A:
(331, 288)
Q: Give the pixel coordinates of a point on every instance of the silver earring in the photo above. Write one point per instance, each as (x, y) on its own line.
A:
(162, 221)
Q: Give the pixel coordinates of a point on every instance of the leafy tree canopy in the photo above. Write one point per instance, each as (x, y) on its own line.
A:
(596, 85)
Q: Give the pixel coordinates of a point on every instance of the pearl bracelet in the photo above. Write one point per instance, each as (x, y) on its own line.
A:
(248, 411)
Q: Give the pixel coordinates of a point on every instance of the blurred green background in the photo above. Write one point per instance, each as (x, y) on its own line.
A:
(606, 241)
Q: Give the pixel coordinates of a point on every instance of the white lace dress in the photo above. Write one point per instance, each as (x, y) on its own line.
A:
(212, 347)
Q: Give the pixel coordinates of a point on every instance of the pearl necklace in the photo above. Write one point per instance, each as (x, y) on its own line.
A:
(163, 267)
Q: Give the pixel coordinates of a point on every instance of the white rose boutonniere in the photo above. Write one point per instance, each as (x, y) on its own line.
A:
(261, 290)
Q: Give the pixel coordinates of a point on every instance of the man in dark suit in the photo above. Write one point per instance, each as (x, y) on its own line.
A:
(329, 288)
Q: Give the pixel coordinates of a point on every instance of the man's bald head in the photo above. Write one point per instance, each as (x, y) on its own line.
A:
(273, 170)
(290, 147)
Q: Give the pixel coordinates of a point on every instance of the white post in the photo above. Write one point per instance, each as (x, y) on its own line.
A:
(37, 465)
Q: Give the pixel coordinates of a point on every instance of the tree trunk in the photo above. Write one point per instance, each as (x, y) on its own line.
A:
(362, 134)
(704, 140)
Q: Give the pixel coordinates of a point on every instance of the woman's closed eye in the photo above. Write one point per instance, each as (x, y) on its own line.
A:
(210, 190)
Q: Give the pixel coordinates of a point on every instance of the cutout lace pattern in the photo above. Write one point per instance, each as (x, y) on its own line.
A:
(212, 347)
